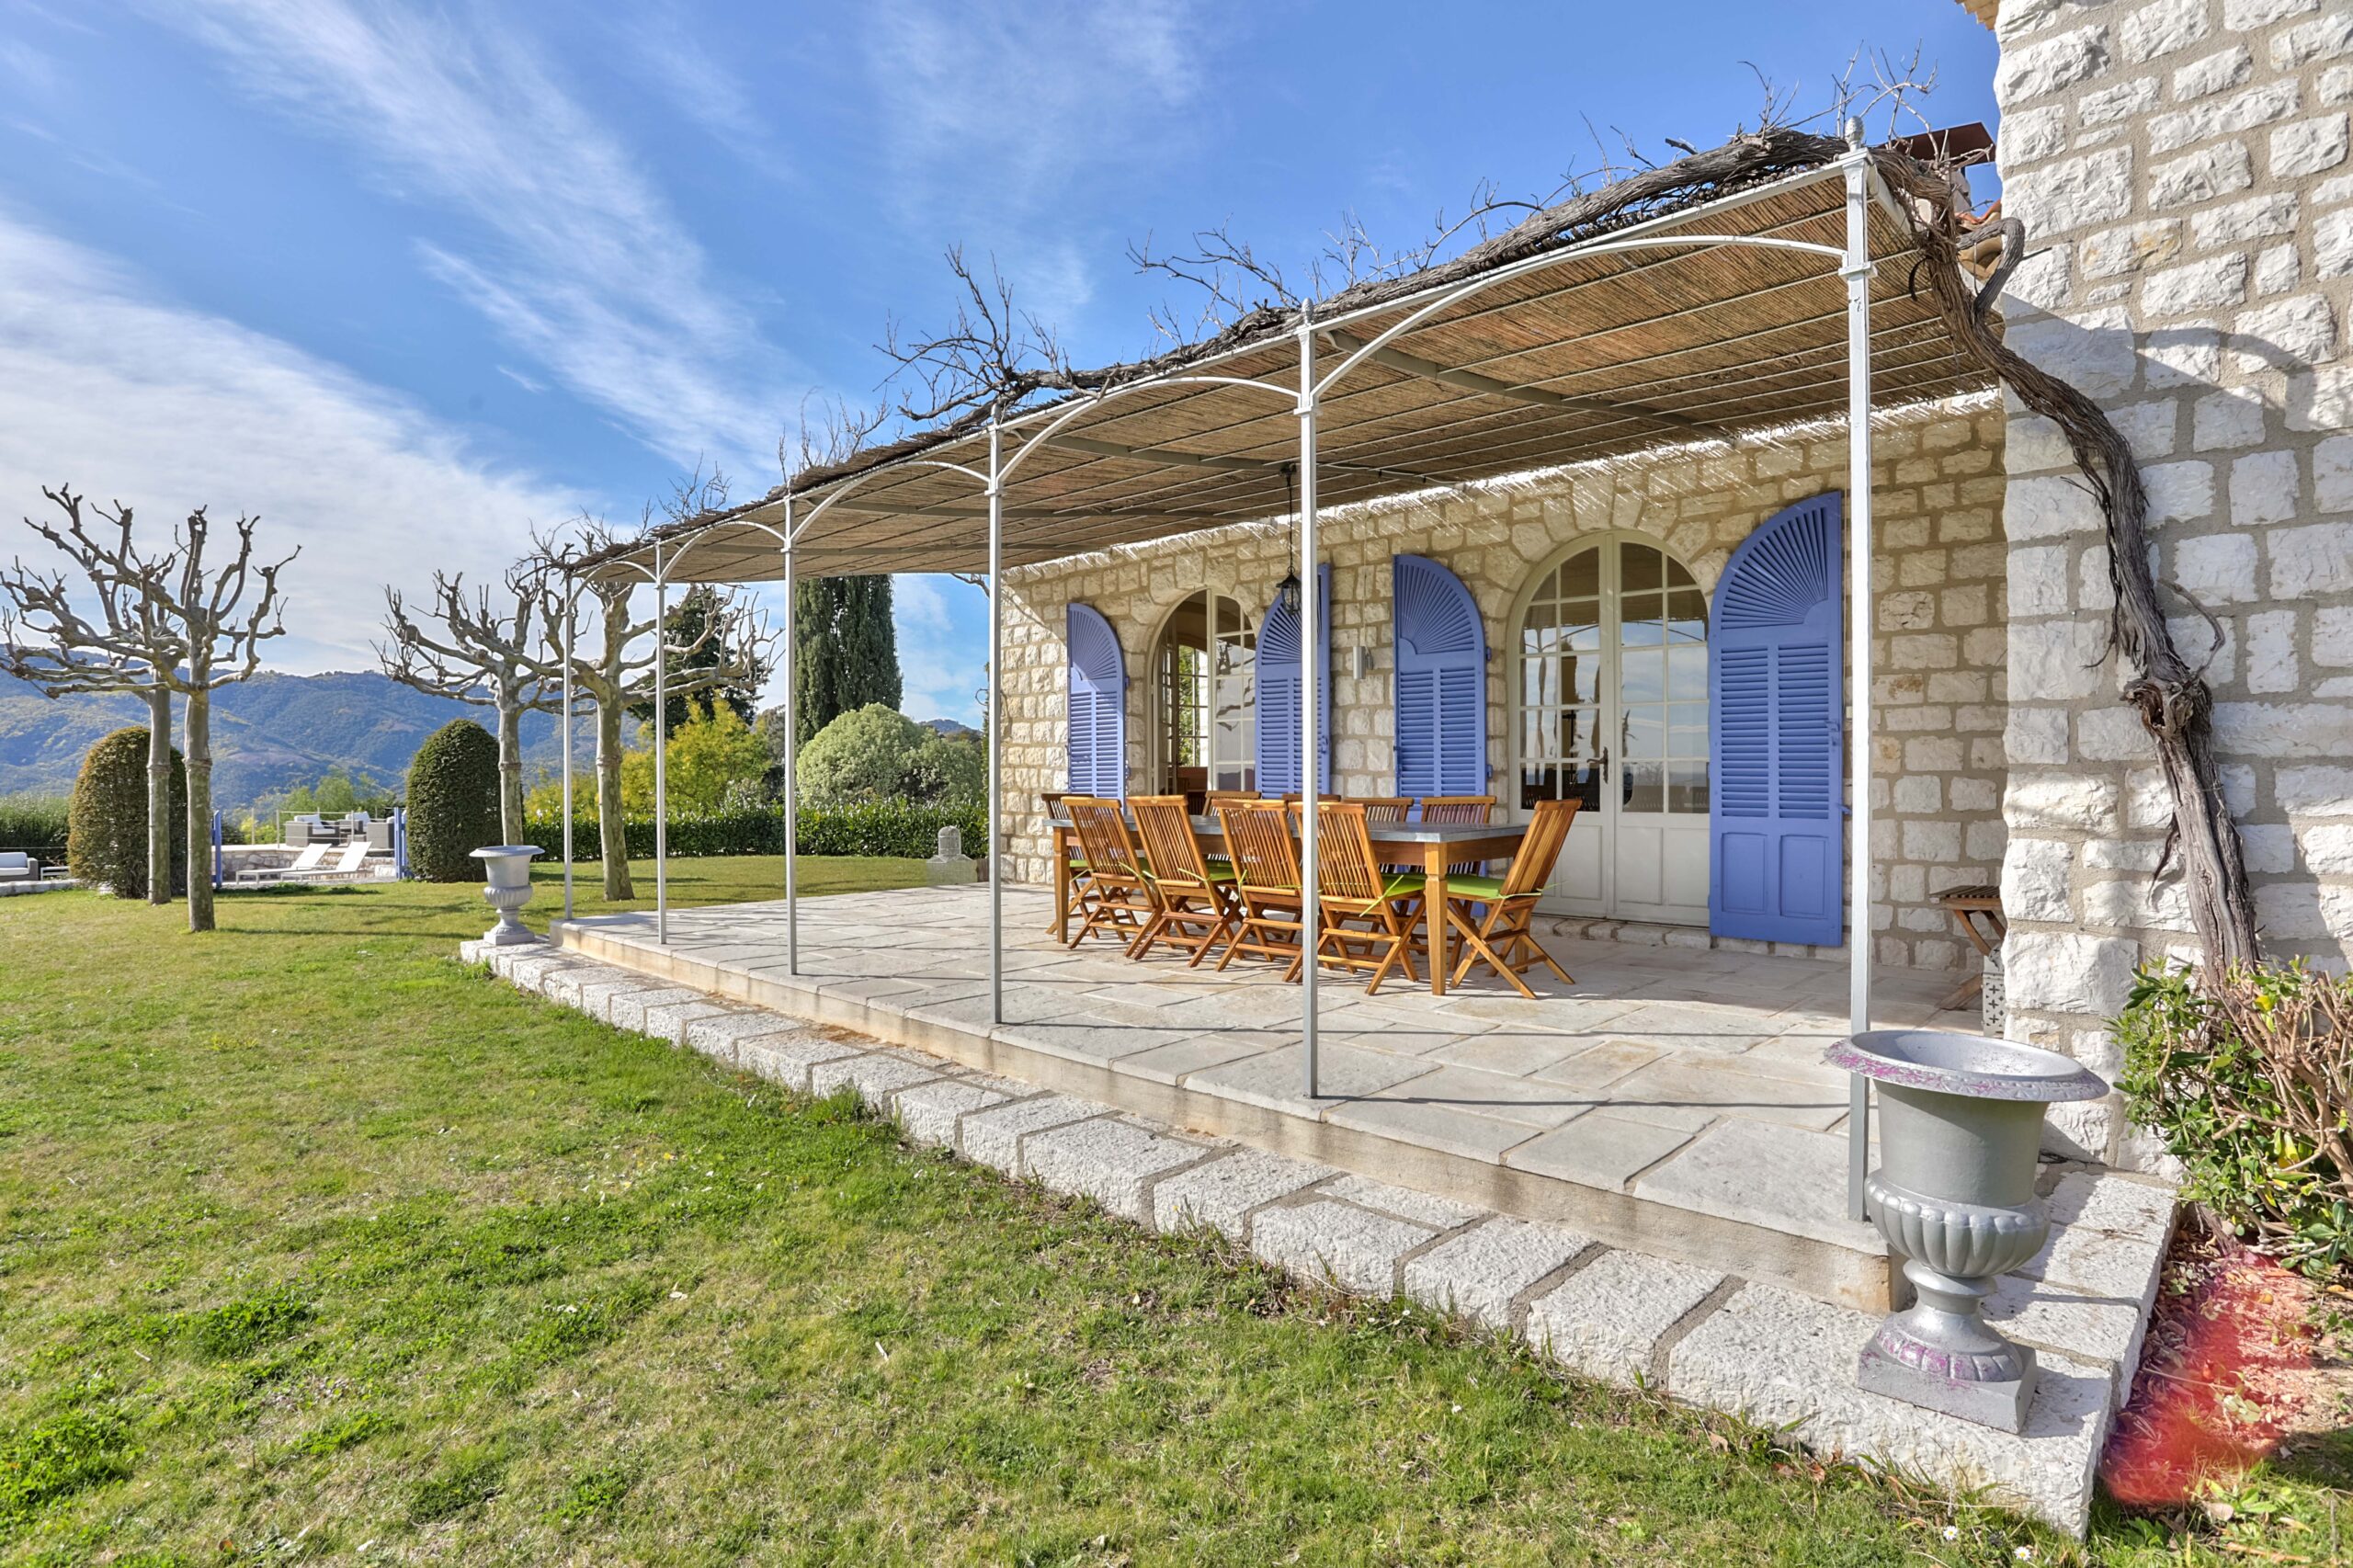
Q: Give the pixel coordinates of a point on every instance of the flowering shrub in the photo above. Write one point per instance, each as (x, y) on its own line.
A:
(2248, 1078)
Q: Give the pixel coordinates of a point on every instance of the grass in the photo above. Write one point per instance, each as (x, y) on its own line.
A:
(316, 1245)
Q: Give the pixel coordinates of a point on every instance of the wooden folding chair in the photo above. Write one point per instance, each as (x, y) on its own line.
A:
(1119, 897)
(1074, 871)
(1458, 808)
(1266, 879)
(1351, 885)
(1195, 894)
(1385, 808)
(1500, 937)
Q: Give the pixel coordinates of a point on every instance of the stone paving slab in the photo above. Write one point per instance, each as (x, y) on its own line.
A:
(626, 1010)
(1605, 1321)
(929, 1112)
(1325, 1242)
(1480, 1273)
(994, 1136)
(1778, 1358)
(1771, 1354)
(1113, 1160)
(786, 1059)
(1225, 1193)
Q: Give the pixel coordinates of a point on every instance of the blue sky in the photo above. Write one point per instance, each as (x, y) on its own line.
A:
(409, 279)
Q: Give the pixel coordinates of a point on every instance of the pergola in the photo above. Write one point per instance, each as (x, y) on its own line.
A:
(1732, 306)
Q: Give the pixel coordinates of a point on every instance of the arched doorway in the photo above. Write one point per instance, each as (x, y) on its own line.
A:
(1204, 695)
(1610, 699)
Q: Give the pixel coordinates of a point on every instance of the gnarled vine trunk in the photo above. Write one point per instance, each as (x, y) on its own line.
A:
(2171, 697)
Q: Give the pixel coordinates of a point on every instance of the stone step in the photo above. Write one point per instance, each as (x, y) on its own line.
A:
(1757, 1200)
(1703, 1336)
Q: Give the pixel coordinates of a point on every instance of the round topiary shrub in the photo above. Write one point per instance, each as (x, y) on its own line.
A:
(453, 802)
(105, 823)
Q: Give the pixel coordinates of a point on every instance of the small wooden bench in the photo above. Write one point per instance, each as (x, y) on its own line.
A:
(1978, 908)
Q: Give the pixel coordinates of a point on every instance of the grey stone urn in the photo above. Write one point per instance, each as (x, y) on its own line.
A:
(507, 870)
(1960, 1126)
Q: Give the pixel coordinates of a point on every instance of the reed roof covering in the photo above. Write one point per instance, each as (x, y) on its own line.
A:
(1598, 352)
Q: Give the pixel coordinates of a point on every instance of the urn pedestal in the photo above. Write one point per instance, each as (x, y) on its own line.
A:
(507, 874)
(1961, 1130)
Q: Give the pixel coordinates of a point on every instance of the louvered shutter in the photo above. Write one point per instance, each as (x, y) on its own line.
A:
(1441, 693)
(1097, 707)
(1776, 690)
(1279, 689)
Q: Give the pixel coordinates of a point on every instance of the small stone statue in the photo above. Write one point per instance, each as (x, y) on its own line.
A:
(950, 866)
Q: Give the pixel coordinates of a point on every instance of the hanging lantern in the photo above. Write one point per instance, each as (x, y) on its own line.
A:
(1287, 591)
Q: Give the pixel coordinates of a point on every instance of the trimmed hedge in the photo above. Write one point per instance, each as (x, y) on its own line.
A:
(453, 802)
(107, 817)
(881, 827)
(36, 822)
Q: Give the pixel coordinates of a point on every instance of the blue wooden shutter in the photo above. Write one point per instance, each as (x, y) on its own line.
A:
(1775, 707)
(1097, 711)
(1442, 694)
(1278, 693)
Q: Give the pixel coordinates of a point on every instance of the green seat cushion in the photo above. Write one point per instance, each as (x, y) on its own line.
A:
(1488, 889)
(1400, 883)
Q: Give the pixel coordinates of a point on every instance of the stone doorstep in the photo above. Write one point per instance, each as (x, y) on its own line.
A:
(1612, 1314)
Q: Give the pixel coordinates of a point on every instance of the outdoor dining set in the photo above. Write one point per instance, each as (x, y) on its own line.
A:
(1398, 883)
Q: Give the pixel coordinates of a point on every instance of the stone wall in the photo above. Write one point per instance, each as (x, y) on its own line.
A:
(2182, 169)
(1939, 489)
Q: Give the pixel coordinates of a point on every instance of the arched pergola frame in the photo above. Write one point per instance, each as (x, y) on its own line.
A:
(1853, 265)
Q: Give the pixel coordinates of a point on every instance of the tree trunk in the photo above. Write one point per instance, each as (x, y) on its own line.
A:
(612, 829)
(510, 770)
(159, 826)
(200, 810)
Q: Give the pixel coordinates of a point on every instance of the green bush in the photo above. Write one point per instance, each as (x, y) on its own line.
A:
(107, 816)
(882, 827)
(453, 802)
(34, 822)
(860, 756)
(2248, 1079)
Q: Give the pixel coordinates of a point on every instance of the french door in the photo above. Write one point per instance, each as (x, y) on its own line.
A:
(1612, 695)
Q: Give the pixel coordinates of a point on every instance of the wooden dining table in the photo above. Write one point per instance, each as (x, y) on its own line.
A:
(1432, 846)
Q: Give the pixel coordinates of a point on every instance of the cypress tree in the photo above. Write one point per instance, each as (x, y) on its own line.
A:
(845, 649)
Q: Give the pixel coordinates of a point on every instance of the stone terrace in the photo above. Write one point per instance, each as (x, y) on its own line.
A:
(1703, 1335)
(1671, 1098)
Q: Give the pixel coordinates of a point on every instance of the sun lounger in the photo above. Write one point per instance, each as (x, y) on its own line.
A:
(349, 861)
(305, 864)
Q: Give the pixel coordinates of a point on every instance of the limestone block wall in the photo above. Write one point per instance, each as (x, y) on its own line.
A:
(2182, 168)
(1939, 485)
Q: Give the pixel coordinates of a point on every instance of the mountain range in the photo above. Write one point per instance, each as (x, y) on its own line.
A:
(274, 732)
(269, 734)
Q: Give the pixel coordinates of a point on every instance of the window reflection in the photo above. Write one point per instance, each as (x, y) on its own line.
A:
(1206, 690)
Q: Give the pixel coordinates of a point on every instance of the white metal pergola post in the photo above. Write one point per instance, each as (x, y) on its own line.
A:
(792, 756)
(1311, 725)
(661, 745)
(995, 719)
(1857, 274)
(571, 605)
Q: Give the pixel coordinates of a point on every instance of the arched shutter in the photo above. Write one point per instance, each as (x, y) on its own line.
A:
(1279, 689)
(1441, 694)
(1097, 711)
(1776, 707)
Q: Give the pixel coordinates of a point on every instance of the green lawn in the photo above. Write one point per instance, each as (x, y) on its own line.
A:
(316, 1245)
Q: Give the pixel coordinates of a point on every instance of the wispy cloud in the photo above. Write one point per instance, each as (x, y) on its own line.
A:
(129, 396)
(567, 245)
(994, 117)
(703, 89)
